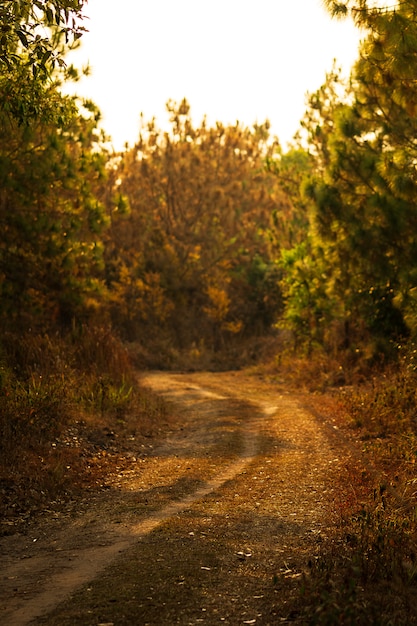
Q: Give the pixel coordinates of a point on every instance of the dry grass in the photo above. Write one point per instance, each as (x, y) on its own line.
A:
(68, 410)
(373, 560)
(64, 403)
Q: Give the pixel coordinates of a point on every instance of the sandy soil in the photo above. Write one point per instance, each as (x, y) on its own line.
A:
(215, 524)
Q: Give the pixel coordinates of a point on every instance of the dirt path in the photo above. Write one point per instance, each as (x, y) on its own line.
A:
(217, 525)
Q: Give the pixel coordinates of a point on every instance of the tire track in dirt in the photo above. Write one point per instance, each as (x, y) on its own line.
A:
(40, 576)
(238, 552)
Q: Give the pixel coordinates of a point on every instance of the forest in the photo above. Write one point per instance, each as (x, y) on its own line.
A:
(207, 247)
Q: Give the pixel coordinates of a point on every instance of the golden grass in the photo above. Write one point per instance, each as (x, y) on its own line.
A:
(367, 574)
(63, 402)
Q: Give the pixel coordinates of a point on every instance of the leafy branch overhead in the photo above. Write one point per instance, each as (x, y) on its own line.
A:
(360, 10)
(32, 32)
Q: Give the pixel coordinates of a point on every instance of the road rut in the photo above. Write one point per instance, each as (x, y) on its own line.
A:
(217, 525)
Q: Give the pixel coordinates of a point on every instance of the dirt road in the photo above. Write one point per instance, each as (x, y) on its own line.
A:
(215, 524)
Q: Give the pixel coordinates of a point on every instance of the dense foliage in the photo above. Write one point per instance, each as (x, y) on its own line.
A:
(32, 31)
(362, 138)
(203, 236)
(193, 261)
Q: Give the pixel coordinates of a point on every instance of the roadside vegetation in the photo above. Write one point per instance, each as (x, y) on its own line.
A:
(366, 571)
(209, 247)
(71, 412)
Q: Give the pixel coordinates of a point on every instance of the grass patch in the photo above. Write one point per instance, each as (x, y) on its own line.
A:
(367, 573)
(64, 401)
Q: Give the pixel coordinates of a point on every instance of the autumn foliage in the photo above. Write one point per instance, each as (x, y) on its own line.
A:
(193, 261)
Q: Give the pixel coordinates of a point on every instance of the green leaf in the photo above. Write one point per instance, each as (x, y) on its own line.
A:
(22, 36)
(49, 15)
(45, 58)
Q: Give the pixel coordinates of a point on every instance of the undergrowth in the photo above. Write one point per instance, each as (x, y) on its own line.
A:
(56, 394)
(367, 573)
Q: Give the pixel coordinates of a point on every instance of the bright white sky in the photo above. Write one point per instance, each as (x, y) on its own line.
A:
(244, 60)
